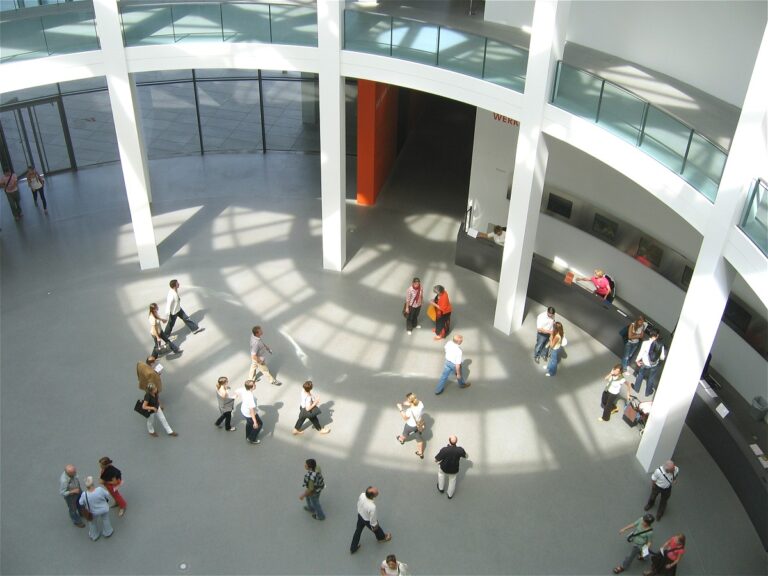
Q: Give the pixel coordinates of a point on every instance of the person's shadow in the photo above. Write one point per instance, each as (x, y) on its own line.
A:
(466, 369)
(270, 418)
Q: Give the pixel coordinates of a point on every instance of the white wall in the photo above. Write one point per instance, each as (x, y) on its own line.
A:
(518, 13)
(744, 368)
(493, 160)
(710, 45)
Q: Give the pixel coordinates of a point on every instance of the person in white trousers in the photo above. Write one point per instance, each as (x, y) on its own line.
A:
(448, 460)
(152, 404)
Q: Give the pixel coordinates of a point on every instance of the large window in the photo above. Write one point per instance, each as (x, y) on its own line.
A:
(291, 114)
(230, 115)
(91, 127)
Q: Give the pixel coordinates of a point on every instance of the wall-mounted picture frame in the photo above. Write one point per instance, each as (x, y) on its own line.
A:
(604, 228)
(559, 206)
(685, 280)
(649, 253)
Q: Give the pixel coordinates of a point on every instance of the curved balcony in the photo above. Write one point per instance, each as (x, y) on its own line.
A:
(754, 222)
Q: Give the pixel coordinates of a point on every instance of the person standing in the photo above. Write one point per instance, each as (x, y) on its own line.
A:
(556, 342)
(174, 310)
(366, 518)
(545, 324)
(111, 478)
(11, 186)
(443, 309)
(258, 356)
(149, 373)
(649, 361)
(249, 411)
(635, 332)
(313, 486)
(615, 380)
(392, 567)
(69, 488)
(662, 480)
(414, 297)
(448, 460)
(453, 364)
(226, 404)
(156, 331)
(152, 404)
(640, 538)
(37, 186)
(309, 410)
(665, 561)
(96, 500)
(411, 411)
(600, 282)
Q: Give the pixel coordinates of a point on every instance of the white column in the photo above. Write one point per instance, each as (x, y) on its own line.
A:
(547, 44)
(333, 183)
(122, 98)
(710, 285)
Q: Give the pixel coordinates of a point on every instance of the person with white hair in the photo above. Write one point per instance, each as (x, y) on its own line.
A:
(662, 480)
(95, 500)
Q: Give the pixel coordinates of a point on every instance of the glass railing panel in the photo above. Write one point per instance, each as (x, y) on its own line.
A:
(366, 32)
(414, 41)
(621, 113)
(505, 65)
(755, 220)
(245, 22)
(704, 166)
(665, 139)
(196, 22)
(70, 32)
(147, 25)
(577, 91)
(22, 39)
(294, 25)
(461, 52)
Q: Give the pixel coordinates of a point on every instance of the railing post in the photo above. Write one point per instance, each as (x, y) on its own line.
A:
(599, 101)
(221, 19)
(646, 107)
(687, 149)
(556, 83)
(391, 33)
(45, 39)
(485, 55)
(173, 25)
(197, 113)
(269, 7)
(437, 54)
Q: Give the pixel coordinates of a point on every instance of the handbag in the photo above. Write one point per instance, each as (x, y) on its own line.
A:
(314, 413)
(421, 425)
(138, 407)
(86, 512)
(405, 309)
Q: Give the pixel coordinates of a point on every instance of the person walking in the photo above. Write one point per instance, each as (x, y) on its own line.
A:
(149, 373)
(665, 561)
(156, 331)
(411, 411)
(152, 404)
(36, 184)
(414, 297)
(10, 184)
(226, 404)
(649, 359)
(174, 310)
(258, 356)
(366, 518)
(633, 337)
(313, 486)
(448, 460)
(443, 310)
(393, 567)
(309, 410)
(453, 364)
(69, 488)
(111, 478)
(639, 538)
(250, 413)
(662, 480)
(96, 500)
(545, 324)
(615, 380)
(556, 342)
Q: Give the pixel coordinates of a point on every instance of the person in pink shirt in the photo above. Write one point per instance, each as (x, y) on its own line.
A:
(602, 286)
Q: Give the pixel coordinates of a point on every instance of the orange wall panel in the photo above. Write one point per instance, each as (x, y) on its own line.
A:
(376, 138)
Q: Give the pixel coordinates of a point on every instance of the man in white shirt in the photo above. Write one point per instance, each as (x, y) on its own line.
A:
(498, 235)
(649, 361)
(258, 356)
(173, 310)
(249, 411)
(662, 480)
(453, 359)
(545, 323)
(366, 518)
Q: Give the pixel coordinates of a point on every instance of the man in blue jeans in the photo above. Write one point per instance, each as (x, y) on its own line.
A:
(649, 361)
(313, 485)
(453, 359)
(545, 323)
(69, 488)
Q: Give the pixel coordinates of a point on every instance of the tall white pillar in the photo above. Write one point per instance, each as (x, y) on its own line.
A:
(547, 44)
(122, 98)
(333, 183)
(710, 285)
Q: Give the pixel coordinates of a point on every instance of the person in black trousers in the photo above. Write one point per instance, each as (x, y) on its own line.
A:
(366, 518)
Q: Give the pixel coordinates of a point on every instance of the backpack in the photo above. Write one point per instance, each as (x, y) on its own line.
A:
(318, 482)
(612, 293)
(655, 351)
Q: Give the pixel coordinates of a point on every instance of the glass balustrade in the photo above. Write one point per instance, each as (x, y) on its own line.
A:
(48, 34)
(660, 135)
(426, 43)
(754, 223)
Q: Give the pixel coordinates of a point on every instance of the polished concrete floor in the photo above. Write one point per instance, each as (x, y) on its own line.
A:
(546, 487)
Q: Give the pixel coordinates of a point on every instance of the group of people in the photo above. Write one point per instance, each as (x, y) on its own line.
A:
(440, 309)
(161, 337)
(550, 339)
(10, 184)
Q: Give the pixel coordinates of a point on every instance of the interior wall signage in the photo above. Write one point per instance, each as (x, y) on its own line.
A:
(505, 119)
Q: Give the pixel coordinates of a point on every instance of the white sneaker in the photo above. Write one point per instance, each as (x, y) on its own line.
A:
(418, 325)
(409, 332)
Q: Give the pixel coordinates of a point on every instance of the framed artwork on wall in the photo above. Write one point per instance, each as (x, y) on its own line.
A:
(649, 253)
(604, 228)
(559, 206)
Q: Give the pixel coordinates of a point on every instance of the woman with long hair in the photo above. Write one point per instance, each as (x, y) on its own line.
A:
(411, 411)
(555, 342)
(157, 333)
(442, 306)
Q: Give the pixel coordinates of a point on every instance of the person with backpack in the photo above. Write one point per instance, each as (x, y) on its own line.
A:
(313, 486)
(601, 282)
(649, 361)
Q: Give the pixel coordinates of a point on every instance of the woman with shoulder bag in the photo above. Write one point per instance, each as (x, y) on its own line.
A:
(112, 479)
(226, 404)
(96, 500)
(640, 538)
(411, 411)
(36, 184)
(309, 410)
(392, 567)
(665, 561)
(556, 341)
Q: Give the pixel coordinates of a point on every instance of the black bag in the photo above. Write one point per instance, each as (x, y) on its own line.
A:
(138, 408)
(314, 413)
(654, 353)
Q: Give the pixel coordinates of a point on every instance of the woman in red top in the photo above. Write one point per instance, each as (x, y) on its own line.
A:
(602, 286)
(443, 312)
(666, 559)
